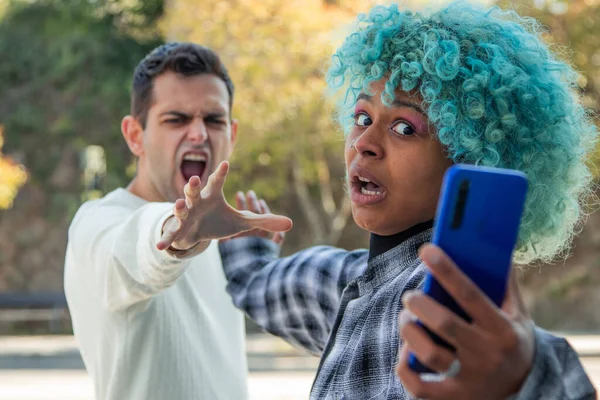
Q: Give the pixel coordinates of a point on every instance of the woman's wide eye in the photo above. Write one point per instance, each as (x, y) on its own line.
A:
(404, 129)
(362, 120)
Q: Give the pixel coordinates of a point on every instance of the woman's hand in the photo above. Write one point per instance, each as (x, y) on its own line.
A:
(494, 352)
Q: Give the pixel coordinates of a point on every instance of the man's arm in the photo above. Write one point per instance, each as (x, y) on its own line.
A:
(118, 251)
(136, 256)
(296, 297)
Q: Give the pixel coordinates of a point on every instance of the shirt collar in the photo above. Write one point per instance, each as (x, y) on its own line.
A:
(388, 265)
(381, 244)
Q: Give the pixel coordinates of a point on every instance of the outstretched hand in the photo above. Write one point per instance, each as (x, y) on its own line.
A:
(205, 215)
(250, 202)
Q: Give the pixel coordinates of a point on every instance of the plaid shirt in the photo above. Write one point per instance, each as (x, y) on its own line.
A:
(344, 308)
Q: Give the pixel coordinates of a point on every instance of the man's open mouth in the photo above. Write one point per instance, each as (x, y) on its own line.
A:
(193, 164)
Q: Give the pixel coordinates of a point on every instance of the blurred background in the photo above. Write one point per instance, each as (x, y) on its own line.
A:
(65, 73)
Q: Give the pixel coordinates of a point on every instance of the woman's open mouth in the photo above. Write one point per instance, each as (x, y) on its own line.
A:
(193, 165)
(365, 191)
(369, 188)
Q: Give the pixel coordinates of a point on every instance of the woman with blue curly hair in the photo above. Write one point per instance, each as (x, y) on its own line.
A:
(416, 93)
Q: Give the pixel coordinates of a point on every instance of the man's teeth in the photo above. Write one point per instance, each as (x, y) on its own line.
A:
(194, 157)
(360, 178)
(369, 192)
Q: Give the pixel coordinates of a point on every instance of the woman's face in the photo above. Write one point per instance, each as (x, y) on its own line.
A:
(396, 167)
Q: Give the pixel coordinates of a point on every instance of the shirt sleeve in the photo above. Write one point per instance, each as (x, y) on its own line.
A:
(557, 373)
(116, 249)
(295, 297)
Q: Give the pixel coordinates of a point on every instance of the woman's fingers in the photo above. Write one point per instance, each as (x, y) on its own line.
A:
(462, 289)
(429, 354)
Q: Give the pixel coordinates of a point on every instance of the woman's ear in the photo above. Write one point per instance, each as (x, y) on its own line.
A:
(134, 135)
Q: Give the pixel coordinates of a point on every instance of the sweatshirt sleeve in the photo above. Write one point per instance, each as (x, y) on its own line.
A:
(557, 373)
(116, 248)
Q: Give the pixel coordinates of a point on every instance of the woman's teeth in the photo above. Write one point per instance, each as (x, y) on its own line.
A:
(363, 190)
(368, 187)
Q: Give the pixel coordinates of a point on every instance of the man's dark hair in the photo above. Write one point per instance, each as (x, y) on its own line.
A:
(187, 59)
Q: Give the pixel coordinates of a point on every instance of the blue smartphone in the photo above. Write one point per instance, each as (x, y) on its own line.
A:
(477, 225)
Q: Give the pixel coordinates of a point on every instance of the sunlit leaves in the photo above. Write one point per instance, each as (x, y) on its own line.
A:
(12, 177)
(276, 52)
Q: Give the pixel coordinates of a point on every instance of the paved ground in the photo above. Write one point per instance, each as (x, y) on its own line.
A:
(28, 368)
(76, 385)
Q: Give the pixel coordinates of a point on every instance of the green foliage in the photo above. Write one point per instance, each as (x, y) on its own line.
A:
(12, 177)
(276, 52)
(573, 29)
(65, 79)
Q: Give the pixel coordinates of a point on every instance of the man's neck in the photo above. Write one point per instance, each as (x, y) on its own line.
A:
(140, 187)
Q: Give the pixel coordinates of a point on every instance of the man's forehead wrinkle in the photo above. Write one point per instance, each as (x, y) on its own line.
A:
(193, 110)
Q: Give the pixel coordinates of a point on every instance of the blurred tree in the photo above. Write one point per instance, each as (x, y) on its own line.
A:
(65, 76)
(64, 84)
(289, 150)
(573, 29)
(12, 177)
(566, 296)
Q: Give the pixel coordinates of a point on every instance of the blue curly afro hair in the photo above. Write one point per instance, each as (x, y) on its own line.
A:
(496, 95)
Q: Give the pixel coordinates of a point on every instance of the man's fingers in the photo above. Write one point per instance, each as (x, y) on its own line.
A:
(240, 201)
(221, 174)
(216, 180)
(267, 222)
(468, 296)
(166, 240)
(192, 191)
(264, 208)
(253, 203)
(181, 210)
(278, 238)
(173, 225)
(170, 232)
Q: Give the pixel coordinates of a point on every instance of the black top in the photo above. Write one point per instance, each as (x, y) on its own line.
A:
(380, 244)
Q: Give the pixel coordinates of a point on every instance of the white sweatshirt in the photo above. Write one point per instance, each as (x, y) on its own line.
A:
(149, 325)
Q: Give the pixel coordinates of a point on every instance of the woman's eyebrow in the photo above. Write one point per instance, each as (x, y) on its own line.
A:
(364, 96)
(395, 103)
(401, 103)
